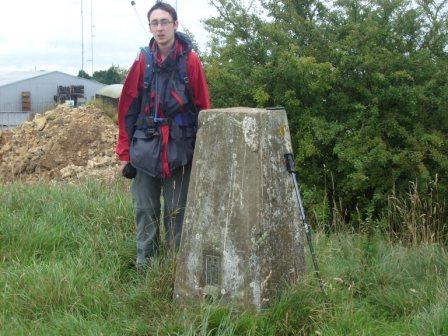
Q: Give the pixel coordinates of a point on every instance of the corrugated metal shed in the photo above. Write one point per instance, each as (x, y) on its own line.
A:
(39, 89)
(13, 119)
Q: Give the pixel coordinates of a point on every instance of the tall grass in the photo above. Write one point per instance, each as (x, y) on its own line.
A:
(66, 268)
(418, 218)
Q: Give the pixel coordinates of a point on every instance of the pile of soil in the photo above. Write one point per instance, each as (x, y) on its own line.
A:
(64, 144)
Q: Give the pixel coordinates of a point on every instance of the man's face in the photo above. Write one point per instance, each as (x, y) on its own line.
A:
(162, 27)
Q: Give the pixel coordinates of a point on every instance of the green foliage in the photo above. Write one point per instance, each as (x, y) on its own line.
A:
(66, 255)
(84, 74)
(113, 75)
(364, 85)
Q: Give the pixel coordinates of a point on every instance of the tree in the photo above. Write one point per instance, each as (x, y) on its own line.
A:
(113, 75)
(84, 74)
(364, 85)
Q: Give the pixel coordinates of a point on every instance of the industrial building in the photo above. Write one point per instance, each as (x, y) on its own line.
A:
(26, 92)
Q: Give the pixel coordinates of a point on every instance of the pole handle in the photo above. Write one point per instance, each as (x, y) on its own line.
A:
(289, 162)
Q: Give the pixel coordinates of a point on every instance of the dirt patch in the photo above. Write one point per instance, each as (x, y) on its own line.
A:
(62, 144)
(5, 136)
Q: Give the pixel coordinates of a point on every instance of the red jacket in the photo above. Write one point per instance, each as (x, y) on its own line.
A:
(134, 83)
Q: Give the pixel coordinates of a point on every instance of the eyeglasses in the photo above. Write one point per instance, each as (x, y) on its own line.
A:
(163, 23)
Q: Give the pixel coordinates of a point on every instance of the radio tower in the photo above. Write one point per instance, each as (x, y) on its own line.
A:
(82, 37)
(91, 32)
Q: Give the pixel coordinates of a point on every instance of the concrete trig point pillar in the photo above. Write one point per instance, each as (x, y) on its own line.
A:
(242, 240)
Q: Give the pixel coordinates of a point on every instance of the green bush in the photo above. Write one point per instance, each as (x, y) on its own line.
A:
(365, 88)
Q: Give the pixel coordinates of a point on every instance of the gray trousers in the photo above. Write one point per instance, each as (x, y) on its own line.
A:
(146, 191)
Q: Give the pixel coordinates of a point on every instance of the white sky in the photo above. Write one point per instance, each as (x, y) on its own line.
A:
(46, 34)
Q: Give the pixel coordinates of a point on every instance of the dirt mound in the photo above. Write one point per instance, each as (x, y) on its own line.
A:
(4, 139)
(62, 144)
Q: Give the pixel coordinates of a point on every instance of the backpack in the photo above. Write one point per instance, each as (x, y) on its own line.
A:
(180, 94)
(180, 114)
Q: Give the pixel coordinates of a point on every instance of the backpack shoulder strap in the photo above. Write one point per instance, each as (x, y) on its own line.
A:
(182, 68)
(147, 79)
(149, 68)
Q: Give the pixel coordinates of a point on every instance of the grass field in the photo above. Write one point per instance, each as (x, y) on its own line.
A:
(66, 257)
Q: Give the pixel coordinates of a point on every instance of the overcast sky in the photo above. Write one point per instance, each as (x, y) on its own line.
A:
(46, 34)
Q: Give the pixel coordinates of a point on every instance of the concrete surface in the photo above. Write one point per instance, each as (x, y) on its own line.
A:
(242, 240)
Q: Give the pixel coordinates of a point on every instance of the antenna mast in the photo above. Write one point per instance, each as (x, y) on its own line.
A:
(91, 32)
(82, 37)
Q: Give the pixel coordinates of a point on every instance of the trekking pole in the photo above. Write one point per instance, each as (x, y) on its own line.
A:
(139, 19)
(289, 161)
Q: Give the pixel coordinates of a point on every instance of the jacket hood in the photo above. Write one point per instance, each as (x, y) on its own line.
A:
(183, 38)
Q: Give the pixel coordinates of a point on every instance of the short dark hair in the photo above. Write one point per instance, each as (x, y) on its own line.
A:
(165, 7)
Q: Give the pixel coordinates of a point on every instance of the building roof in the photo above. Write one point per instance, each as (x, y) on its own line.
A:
(7, 78)
(17, 76)
(112, 91)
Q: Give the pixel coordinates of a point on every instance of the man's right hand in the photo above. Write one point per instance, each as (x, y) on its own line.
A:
(128, 170)
(122, 165)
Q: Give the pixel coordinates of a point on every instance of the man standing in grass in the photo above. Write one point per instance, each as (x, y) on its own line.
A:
(162, 94)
